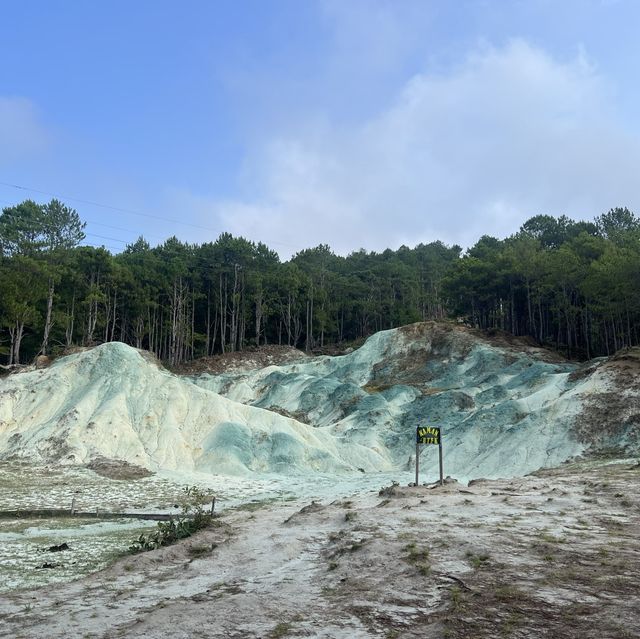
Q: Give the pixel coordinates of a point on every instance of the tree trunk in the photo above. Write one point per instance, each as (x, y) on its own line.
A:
(16, 339)
(223, 314)
(47, 322)
(68, 332)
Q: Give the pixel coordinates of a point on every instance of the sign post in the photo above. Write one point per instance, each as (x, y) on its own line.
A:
(428, 435)
(440, 456)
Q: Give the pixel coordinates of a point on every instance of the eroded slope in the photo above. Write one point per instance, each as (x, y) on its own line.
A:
(505, 407)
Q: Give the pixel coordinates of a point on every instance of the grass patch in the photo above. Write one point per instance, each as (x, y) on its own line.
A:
(376, 387)
(418, 557)
(550, 539)
(509, 594)
(477, 561)
(281, 630)
(200, 550)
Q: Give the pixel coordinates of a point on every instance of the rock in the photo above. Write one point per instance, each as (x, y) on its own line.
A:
(59, 548)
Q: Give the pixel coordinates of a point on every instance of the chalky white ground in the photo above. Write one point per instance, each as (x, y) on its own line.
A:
(325, 428)
(550, 555)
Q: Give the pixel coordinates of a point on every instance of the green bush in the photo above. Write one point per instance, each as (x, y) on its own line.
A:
(191, 519)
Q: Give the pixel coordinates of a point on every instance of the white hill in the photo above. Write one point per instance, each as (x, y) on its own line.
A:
(112, 402)
(504, 410)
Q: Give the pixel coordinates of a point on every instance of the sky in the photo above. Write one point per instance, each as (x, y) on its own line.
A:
(353, 123)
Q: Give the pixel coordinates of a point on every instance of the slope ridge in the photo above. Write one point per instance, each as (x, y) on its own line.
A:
(504, 411)
(111, 402)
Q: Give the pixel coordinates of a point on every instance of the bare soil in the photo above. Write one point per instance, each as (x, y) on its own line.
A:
(614, 415)
(248, 359)
(443, 332)
(117, 469)
(555, 554)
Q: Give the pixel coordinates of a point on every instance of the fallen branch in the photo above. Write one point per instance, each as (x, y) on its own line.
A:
(456, 579)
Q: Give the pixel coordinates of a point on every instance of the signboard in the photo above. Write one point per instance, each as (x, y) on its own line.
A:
(427, 435)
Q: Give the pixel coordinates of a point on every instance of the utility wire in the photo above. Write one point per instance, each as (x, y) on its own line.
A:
(123, 210)
(198, 258)
(108, 226)
(119, 228)
(106, 246)
(103, 237)
(105, 206)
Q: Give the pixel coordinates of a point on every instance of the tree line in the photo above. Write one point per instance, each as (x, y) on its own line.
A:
(573, 285)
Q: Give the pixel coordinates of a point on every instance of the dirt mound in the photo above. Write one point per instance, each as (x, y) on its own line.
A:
(610, 421)
(625, 365)
(117, 469)
(445, 336)
(248, 359)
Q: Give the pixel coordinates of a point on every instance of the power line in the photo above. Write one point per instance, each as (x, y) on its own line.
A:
(103, 237)
(106, 246)
(119, 228)
(123, 210)
(201, 259)
(105, 206)
(108, 226)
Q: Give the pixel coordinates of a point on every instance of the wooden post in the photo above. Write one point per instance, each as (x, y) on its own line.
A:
(213, 505)
(440, 455)
(73, 505)
(417, 461)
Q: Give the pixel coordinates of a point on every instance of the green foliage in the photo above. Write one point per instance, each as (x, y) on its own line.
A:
(573, 285)
(569, 284)
(193, 517)
(28, 228)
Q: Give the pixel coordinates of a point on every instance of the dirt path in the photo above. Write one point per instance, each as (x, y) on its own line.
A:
(553, 555)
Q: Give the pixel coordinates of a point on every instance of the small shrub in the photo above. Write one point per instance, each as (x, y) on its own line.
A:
(550, 539)
(192, 518)
(506, 594)
(456, 597)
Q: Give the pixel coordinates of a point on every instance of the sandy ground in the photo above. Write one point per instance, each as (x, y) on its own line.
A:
(556, 554)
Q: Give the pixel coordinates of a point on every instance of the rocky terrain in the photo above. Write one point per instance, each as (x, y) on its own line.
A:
(505, 408)
(554, 554)
(318, 532)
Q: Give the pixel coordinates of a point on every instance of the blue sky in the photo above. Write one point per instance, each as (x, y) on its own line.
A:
(353, 123)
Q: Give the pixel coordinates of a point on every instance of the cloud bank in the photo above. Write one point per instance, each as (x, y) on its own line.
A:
(508, 133)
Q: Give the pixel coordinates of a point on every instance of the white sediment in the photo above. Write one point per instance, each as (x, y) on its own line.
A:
(502, 413)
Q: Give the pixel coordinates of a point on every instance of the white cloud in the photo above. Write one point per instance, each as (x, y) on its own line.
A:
(507, 134)
(21, 132)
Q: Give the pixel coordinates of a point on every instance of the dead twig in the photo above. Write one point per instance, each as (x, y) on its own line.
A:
(456, 579)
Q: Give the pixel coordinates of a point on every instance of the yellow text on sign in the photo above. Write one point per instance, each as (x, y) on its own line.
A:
(428, 435)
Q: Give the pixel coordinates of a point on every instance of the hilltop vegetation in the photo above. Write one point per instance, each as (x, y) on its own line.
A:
(572, 285)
